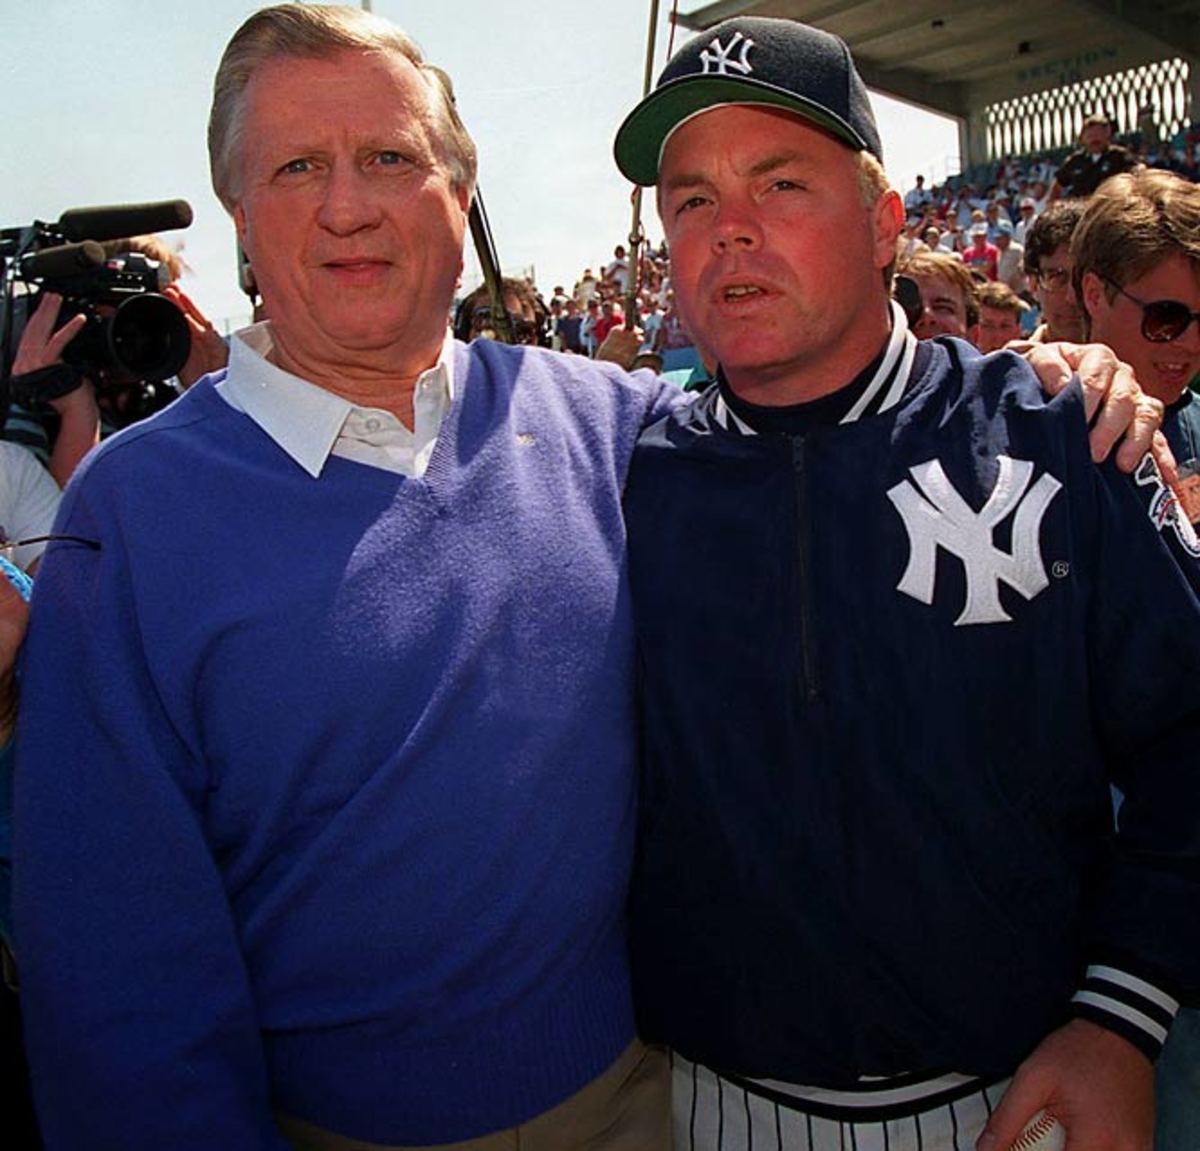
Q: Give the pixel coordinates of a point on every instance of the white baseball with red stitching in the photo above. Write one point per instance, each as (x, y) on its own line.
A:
(1042, 1133)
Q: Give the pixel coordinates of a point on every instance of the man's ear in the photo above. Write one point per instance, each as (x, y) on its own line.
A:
(239, 222)
(887, 223)
(1094, 301)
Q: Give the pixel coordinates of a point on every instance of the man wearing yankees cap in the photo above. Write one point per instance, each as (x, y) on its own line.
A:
(878, 901)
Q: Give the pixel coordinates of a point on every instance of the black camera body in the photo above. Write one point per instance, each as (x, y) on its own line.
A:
(133, 335)
(132, 330)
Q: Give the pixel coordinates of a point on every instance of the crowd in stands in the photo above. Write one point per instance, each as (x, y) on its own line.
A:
(981, 219)
(579, 320)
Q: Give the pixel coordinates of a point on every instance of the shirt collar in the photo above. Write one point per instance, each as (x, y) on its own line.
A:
(304, 419)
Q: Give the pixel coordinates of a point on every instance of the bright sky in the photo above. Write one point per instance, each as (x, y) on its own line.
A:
(106, 102)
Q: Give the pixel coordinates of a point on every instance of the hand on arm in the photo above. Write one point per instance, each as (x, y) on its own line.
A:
(1119, 413)
(1099, 1086)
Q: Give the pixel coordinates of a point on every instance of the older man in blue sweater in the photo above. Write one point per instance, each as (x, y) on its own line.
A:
(325, 805)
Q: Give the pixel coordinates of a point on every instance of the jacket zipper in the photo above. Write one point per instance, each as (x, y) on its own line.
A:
(809, 688)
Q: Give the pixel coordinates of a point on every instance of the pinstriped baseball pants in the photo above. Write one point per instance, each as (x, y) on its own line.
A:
(712, 1114)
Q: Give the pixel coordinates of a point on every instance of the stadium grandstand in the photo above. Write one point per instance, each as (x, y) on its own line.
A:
(1020, 77)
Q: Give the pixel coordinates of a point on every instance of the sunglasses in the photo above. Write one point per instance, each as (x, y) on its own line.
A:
(524, 331)
(1162, 320)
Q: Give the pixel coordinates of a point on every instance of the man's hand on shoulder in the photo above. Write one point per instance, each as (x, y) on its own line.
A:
(1119, 413)
(620, 346)
(1096, 1084)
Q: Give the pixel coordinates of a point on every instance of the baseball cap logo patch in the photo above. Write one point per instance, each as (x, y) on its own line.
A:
(716, 59)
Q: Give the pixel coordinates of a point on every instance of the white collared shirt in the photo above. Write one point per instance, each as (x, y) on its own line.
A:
(311, 423)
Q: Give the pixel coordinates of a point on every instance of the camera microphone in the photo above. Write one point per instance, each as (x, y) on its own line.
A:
(116, 221)
(63, 261)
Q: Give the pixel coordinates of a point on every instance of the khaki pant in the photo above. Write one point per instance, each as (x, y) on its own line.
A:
(627, 1108)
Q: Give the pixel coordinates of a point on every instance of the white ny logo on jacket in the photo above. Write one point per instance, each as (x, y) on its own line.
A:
(938, 516)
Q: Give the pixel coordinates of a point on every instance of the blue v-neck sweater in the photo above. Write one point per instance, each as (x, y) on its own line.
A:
(325, 787)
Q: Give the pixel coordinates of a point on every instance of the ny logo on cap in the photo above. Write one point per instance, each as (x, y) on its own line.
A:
(715, 58)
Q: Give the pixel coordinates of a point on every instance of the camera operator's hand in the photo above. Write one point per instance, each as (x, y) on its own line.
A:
(40, 344)
(209, 352)
(41, 347)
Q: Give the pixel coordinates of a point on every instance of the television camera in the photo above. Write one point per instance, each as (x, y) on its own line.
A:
(133, 333)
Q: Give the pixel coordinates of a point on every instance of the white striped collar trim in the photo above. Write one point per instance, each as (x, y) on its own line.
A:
(891, 378)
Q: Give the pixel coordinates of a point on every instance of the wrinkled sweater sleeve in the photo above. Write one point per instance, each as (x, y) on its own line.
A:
(138, 1010)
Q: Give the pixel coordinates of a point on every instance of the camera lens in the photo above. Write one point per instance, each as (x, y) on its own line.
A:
(149, 338)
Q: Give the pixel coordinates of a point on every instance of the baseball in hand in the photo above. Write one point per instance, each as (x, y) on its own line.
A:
(1042, 1133)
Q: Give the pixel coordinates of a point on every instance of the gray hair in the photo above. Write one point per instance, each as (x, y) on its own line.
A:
(318, 32)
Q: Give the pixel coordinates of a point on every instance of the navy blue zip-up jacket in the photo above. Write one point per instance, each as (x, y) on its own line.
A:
(888, 672)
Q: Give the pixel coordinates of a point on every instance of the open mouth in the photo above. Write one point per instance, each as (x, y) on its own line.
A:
(1182, 370)
(735, 292)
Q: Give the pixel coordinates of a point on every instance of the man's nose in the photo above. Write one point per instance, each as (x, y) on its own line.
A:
(927, 325)
(349, 203)
(736, 227)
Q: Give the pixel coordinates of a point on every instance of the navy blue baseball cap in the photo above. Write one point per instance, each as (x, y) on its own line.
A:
(750, 60)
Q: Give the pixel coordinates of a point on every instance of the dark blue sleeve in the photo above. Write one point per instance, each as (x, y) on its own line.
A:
(1144, 637)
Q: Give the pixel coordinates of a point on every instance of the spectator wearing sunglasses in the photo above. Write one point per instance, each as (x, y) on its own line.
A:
(526, 314)
(1136, 257)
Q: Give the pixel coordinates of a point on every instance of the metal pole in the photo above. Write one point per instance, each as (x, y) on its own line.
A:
(636, 236)
(489, 265)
